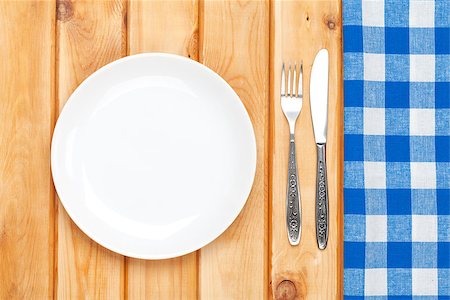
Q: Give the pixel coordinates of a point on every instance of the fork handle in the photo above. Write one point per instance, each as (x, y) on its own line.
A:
(293, 208)
(321, 198)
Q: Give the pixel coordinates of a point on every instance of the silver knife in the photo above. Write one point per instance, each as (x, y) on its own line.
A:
(319, 111)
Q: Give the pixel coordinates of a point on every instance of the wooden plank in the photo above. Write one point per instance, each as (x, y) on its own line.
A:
(26, 121)
(90, 34)
(235, 44)
(299, 30)
(163, 26)
(174, 278)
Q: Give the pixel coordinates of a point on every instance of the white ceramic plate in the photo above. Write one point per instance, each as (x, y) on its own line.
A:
(153, 156)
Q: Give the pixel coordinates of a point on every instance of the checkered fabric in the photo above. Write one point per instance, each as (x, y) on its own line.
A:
(397, 153)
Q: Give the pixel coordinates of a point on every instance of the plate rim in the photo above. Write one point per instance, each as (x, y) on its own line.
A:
(105, 242)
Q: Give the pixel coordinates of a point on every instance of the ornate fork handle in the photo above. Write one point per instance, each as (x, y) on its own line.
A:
(293, 209)
(321, 199)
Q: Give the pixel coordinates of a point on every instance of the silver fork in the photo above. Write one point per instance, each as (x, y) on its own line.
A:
(291, 103)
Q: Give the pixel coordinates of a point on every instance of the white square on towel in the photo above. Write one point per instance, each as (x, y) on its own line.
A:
(374, 67)
(373, 13)
(376, 228)
(422, 68)
(374, 121)
(375, 282)
(424, 228)
(421, 14)
(424, 282)
(423, 175)
(375, 175)
(422, 121)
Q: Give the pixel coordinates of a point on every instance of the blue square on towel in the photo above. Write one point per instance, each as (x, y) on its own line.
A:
(423, 202)
(443, 284)
(397, 40)
(354, 93)
(398, 175)
(442, 91)
(422, 148)
(376, 43)
(354, 201)
(442, 68)
(397, 69)
(442, 40)
(399, 283)
(398, 201)
(354, 175)
(421, 40)
(424, 255)
(353, 120)
(354, 147)
(353, 66)
(443, 228)
(376, 255)
(399, 228)
(374, 92)
(443, 255)
(442, 121)
(353, 39)
(397, 94)
(354, 255)
(441, 9)
(443, 203)
(353, 283)
(396, 13)
(352, 12)
(421, 95)
(397, 148)
(397, 121)
(399, 255)
(442, 175)
(374, 148)
(354, 228)
(376, 202)
(442, 148)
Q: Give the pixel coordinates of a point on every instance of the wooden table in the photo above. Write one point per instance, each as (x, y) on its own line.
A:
(48, 47)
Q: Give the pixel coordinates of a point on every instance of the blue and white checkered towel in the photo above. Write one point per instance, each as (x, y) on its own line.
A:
(397, 153)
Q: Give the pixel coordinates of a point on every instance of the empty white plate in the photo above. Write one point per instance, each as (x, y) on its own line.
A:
(153, 156)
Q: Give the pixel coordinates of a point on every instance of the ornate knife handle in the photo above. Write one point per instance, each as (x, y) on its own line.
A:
(293, 208)
(321, 198)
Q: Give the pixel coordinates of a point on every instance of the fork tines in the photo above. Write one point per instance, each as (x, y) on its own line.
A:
(294, 86)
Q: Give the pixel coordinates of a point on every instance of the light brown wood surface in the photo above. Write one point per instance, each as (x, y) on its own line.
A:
(300, 30)
(26, 118)
(89, 35)
(235, 44)
(49, 47)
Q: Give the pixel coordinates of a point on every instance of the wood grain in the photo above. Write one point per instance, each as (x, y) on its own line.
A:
(235, 44)
(163, 26)
(299, 30)
(90, 34)
(49, 47)
(26, 119)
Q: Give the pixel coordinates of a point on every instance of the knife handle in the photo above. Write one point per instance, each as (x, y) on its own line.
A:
(293, 208)
(321, 198)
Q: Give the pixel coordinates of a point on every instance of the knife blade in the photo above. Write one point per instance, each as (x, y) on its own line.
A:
(319, 114)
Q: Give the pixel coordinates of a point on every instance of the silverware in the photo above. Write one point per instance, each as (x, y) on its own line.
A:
(319, 111)
(291, 103)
